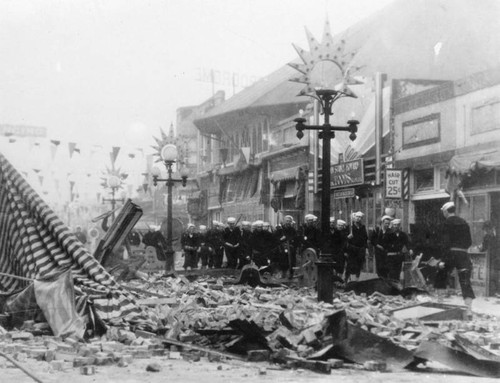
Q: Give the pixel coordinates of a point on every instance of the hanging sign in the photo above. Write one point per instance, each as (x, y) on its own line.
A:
(344, 193)
(393, 183)
(347, 173)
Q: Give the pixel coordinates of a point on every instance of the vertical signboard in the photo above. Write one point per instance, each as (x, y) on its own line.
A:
(393, 183)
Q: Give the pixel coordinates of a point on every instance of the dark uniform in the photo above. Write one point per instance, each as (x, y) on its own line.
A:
(381, 243)
(204, 250)
(356, 250)
(336, 246)
(216, 241)
(190, 242)
(455, 241)
(260, 242)
(310, 236)
(287, 236)
(398, 248)
(232, 238)
(246, 248)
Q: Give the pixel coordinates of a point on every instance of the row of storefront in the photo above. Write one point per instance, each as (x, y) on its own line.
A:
(439, 142)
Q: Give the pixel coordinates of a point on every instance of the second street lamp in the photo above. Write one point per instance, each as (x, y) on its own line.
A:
(169, 156)
(114, 183)
(326, 98)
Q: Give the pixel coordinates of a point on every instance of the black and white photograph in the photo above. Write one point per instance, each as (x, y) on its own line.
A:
(261, 191)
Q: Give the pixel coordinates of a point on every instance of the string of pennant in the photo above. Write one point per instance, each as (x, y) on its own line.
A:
(54, 147)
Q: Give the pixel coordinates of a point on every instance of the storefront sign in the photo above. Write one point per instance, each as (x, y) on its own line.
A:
(393, 183)
(344, 193)
(347, 173)
(23, 131)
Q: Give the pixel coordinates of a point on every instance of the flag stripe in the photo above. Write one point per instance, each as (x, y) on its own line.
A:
(35, 243)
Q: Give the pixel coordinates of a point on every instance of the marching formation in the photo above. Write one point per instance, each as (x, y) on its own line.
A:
(277, 248)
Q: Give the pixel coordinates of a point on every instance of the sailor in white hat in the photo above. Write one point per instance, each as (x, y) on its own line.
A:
(311, 235)
(341, 224)
(456, 239)
(232, 238)
(357, 239)
(189, 241)
(399, 250)
(204, 250)
(381, 241)
(448, 206)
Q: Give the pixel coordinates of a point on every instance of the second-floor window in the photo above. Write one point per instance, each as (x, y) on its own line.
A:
(486, 116)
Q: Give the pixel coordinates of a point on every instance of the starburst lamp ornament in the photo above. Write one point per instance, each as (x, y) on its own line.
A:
(326, 73)
(325, 66)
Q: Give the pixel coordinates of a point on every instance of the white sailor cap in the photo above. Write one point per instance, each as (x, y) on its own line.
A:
(386, 217)
(396, 221)
(359, 214)
(309, 217)
(258, 223)
(288, 217)
(190, 225)
(231, 220)
(245, 223)
(341, 222)
(332, 219)
(203, 227)
(447, 205)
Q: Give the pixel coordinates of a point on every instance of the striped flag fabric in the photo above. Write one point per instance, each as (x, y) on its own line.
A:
(35, 244)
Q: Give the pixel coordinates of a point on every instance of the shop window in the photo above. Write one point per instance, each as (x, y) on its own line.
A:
(424, 180)
(442, 178)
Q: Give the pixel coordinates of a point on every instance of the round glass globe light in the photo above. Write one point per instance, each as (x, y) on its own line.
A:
(113, 182)
(155, 171)
(169, 153)
(184, 172)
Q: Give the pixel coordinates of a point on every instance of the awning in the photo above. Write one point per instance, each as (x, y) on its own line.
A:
(285, 174)
(431, 195)
(467, 162)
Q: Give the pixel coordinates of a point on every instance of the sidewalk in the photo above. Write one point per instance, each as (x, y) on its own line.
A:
(480, 305)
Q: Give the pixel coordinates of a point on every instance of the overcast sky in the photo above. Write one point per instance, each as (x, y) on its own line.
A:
(115, 71)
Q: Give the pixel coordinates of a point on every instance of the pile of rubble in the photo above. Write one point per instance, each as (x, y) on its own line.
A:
(283, 325)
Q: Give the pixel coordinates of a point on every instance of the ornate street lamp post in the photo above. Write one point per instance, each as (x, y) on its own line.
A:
(169, 156)
(113, 183)
(325, 69)
(326, 98)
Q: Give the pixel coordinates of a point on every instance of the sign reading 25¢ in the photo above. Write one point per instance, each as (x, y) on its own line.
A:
(393, 183)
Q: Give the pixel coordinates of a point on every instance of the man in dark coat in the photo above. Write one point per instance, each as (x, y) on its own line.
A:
(246, 248)
(216, 241)
(204, 250)
(287, 235)
(232, 238)
(190, 244)
(260, 244)
(335, 245)
(357, 241)
(399, 249)
(310, 235)
(455, 241)
(380, 240)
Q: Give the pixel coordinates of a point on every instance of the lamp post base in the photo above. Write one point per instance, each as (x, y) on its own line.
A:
(169, 262)
(325, 279)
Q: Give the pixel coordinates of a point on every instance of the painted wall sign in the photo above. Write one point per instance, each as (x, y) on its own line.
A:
(393, 183)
